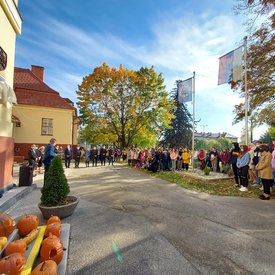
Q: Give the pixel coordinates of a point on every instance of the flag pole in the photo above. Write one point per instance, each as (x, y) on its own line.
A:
(193, 132)
(245, 90)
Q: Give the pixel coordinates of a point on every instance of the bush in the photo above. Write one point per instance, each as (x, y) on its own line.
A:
(56, 188)
(207, 170)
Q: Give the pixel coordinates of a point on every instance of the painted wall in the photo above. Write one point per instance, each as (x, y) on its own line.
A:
(6, 159)
(10, 25)
(29, 131)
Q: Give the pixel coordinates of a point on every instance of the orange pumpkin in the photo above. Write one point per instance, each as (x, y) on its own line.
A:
(7, 225)
(53, 219)
(12, 264)
(48, 268)
(54, 229)
(17, 246)
(51, 249)
(26, 224)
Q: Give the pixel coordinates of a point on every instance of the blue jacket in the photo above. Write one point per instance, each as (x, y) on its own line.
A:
(244, 160)
(49, 154)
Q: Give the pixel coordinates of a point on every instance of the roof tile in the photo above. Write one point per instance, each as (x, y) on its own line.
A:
(30, 90)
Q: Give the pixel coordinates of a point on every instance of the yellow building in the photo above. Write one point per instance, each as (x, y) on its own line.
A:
(41, 113)
(10, 26)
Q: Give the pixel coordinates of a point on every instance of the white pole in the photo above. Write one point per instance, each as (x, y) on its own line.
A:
(245, 90)
(193, 132)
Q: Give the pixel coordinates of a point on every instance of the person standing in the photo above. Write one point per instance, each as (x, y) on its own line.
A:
(49, 154)
(124, 154)
(224, 158)
(186, 156)
(255, 161)
(111, 156)
(201, 158)
(40, 153)
(173, 156)
(214, 159)
(33, 158)
(264, 169)
(118, 154)
(180, 152)
(87, 157)
(129, 156)
(273, 162)
(166, 159)
(251, 171)
(77, 156)
(68, 152)
(233, 161)
(103, 153)
(58, 151)
(243, 161)
(94, 156)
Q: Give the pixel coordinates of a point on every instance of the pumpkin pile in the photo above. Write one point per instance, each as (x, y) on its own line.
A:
(51, 251)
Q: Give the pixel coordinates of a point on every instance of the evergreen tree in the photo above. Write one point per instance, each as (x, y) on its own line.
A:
(180, 132)
(56, 188)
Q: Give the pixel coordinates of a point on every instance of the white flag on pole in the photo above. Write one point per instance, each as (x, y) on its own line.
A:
(185, 90)
(230, 66)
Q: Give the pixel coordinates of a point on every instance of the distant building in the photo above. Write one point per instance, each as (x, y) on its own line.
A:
(10, 26)
(214, 136)
(41, 113)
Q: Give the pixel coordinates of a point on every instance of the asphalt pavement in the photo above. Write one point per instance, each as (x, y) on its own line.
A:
(130, 223)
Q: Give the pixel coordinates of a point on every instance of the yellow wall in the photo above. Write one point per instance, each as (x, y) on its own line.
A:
(31, 120)
(76, 131)
(10, 25)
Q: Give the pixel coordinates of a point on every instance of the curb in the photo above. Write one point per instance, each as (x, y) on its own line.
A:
(12, 196)
(65, 236)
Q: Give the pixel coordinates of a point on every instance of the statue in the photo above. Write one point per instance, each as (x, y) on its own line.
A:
(7, 94)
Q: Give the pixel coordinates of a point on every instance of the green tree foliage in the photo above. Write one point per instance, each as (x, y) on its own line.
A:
(95, 134)
(124, 102)
(56, 188)
(260, 63)
(220, 144)
(268, 136)
(180, 132)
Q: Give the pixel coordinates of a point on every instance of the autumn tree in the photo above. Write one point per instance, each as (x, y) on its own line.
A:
(180, 132)
(260, 63)
(124, 102)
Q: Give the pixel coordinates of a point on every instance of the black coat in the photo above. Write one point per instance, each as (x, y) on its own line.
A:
(68, 153)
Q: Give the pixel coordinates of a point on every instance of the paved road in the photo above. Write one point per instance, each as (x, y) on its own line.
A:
(161, 228)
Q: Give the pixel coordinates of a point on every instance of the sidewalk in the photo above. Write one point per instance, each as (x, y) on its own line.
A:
(11, 197)
(106, 240)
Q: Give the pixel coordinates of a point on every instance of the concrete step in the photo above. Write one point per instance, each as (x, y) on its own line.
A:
(15, 194)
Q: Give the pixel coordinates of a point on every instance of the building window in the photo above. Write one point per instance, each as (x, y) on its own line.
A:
(3, 59)
(47, 127)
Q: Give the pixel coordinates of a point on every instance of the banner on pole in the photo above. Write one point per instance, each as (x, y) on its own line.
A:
(185, 90)
(230, 66)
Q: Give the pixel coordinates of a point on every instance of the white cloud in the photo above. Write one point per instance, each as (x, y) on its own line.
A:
(180, 45)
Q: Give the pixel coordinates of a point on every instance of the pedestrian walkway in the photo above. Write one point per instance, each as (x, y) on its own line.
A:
(130, 223)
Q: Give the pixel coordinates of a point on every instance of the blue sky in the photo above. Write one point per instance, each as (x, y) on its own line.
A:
(69, 38)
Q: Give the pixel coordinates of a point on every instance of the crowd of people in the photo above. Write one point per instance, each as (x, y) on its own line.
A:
(253, 164)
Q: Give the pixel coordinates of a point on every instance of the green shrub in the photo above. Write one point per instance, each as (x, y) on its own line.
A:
(56, 188)
(206, 170)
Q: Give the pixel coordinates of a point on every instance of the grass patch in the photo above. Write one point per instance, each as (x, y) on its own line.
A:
(221, 188)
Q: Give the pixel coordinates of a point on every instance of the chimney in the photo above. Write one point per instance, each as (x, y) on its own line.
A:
(38, 71)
